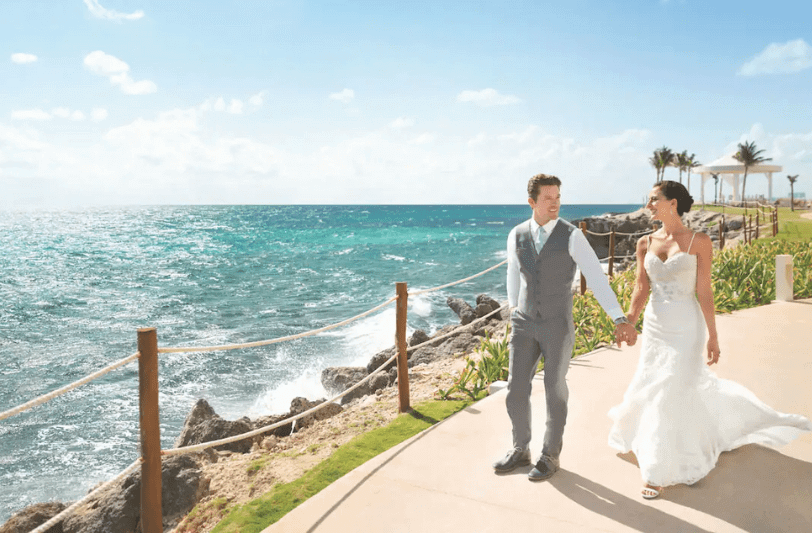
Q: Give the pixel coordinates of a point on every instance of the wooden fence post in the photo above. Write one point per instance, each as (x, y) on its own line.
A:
(611, 251)
(151, 513)
(583, 279)
(757, 223)
(744, 228)
(400, 338)
(722, 233)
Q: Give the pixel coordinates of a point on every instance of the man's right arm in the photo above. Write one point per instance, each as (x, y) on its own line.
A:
(512, 270)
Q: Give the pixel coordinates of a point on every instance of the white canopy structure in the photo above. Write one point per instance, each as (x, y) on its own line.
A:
(730, 170)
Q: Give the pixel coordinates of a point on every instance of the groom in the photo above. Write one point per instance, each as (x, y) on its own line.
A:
(543, 253)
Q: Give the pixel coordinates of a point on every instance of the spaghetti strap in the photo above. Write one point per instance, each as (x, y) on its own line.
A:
(691, 243)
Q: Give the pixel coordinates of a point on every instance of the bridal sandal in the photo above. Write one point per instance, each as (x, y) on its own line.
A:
(649, 493)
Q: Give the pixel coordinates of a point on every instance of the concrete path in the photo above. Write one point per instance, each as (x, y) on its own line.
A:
(442, 480)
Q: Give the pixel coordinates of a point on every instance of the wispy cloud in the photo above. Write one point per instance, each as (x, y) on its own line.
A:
(64, 112)
(487, 97)
(30, 114)
(100, 12)
(401, 122)
(22, 58)
(235, 107)
(117, 71)
(257, 99)
(98, 114)
(786, 58)
(344, 96)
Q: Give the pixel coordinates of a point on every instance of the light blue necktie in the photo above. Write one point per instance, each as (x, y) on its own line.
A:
(541, 238)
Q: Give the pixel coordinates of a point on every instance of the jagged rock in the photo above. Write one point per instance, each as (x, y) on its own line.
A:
(378, 359)
(118, 509)
(33, 516)
(300, 405)
(482, 310)
(425, 355)
(461, 343)
(282, 431)
(204, 425)
(418, 337)
(337, 379)
(485, 299)
(463, 310)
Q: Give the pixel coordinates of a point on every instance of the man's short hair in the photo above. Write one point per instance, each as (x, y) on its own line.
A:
(538, 181)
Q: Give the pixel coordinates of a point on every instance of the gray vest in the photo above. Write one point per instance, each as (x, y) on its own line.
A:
(546, 278)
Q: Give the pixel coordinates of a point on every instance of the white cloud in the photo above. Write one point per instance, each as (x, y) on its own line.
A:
(235, 107)
(344, 96)
(786, 58)
(64, 112)
(30, 114)
(98, 114)
(479, 139)
(401, 122)
(104, 64)
(257, 99)
(487, 97)
(424, 138)
(100, 12)
(117, 71)
(22, 58)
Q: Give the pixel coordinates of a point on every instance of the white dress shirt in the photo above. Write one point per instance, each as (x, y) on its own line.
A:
(583, 255)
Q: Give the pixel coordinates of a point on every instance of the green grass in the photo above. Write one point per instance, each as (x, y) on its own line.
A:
(791, 225)
(267, 509)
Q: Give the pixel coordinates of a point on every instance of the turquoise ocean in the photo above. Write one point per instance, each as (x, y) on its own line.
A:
(75, 285)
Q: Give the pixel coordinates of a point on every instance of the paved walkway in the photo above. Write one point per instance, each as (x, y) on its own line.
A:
(442, 481)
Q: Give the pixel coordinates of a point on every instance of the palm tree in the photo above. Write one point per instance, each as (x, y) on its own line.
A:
(661, 158)
(748, 156)
(792, 180)
(692, 164)
(715, 191)
(681, 162)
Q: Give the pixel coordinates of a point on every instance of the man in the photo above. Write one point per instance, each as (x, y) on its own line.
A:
(543, 253)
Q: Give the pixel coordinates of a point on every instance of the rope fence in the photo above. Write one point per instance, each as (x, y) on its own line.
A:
(67, 388)
(151, 478)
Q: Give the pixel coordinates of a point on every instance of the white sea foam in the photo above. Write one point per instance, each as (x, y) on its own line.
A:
(277, 400)
(420, 305)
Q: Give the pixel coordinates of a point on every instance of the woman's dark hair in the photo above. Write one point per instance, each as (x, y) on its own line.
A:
(673, 190)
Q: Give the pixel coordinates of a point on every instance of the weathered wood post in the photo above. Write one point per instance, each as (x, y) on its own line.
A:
(583, 279)
(757, 222)
(151, 513)
(611, 251)
(722, 233)
(400, 338)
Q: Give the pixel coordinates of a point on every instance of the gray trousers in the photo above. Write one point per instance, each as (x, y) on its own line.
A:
(532, 339)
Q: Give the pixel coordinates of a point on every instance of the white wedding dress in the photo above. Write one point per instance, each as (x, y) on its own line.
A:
(677, 416)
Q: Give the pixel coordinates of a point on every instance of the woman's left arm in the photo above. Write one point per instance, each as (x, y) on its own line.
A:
(704, 292)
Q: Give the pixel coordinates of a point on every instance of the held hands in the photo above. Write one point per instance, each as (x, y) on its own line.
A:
(625, 333)
(713, 351)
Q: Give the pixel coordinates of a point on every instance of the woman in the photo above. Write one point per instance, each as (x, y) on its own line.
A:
(677, 416)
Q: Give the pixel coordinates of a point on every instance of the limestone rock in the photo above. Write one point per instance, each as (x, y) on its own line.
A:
(118, 509)
(463, 310)
(299, 405)
(33, 516)
(204, 425)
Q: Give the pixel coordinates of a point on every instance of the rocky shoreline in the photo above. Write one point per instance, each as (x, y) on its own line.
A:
(186, 478)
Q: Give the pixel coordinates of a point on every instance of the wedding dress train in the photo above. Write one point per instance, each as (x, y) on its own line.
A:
(677, 416)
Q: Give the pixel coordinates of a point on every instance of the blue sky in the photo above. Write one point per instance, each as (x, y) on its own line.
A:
(109, 102)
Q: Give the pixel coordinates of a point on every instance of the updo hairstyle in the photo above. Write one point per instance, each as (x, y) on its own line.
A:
(674, 190)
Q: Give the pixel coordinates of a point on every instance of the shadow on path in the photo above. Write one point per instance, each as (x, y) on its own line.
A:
(634, 514)
(755, 488)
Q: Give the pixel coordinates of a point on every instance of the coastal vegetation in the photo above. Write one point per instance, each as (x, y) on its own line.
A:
(267, 509)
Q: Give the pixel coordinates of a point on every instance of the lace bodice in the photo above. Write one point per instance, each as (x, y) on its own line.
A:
(672, 279)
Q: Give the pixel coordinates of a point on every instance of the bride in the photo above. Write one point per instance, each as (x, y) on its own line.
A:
(677, 416)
